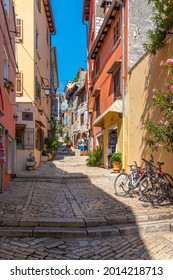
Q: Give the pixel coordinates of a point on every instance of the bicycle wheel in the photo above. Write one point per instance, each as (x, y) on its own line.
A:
(169, 189)
(151, 190)
(121, 184)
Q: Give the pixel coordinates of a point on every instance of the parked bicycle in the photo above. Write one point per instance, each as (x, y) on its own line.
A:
(157, 187)
(126, 183)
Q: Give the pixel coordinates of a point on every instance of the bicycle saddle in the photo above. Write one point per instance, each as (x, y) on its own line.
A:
(160, 163)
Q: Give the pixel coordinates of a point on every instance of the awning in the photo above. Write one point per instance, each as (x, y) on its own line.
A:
(40, 123)
(115, 107)
(114, 66)
(96, 92)
(20, 126)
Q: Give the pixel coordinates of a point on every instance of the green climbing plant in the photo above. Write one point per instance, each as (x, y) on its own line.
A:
(162, 17)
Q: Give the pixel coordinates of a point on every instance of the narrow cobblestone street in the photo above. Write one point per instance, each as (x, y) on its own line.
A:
(66, 210)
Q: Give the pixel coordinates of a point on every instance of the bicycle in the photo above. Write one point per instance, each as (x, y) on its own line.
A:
(158, 186)
(126, 183)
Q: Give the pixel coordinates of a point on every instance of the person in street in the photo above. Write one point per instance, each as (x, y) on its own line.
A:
(85, 145)
(109, 152)
(81, 146)
(69, 150)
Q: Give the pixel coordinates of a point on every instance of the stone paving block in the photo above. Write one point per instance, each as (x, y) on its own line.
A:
(129, 229)
(102, 231)
(97, 221)
(159, 216)
(155, 227)
(60, 222)
(10, 222)
(59, 232)
(28, 222)
(15, 231)
(116, 219)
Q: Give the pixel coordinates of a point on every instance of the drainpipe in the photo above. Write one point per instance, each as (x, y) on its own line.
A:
(123, 81)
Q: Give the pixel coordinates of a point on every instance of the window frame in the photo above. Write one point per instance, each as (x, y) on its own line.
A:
(117, 31)
(117, 83)
(97, 105)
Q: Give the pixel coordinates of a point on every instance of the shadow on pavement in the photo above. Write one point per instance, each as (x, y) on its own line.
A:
(66, 190)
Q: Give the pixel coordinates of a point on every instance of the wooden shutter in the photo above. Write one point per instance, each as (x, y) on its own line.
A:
(19, 28)
(19, 83)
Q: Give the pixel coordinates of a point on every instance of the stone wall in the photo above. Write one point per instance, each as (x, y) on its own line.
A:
(139, 22)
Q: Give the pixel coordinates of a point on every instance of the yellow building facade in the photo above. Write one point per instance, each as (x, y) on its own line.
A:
(145, 76)
(35, 25)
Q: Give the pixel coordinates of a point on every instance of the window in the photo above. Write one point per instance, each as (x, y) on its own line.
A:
(37, 41)
(38, 2)
(116, 31)
(37, 89)
(27, 116)
(19, 29)
(116, 81)
(47, 36)
(19, 83)
(72, 118)
(39, 138)
(6, 67)
(97, 64)
(98, 105)
(7, 6)
(24, 137)
(82, 119)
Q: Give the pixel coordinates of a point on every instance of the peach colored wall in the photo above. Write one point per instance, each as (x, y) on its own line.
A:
(146, 76)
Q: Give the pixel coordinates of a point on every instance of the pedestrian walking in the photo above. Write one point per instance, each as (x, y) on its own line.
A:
(69, 149)
(81, 146)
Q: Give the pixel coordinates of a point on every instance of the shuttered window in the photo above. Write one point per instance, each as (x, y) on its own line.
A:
(19, 83)
(19, 29)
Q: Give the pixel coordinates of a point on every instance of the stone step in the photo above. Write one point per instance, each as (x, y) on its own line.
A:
(100, 231)
(112, 220)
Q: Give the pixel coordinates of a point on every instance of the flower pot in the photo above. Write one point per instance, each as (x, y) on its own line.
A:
(116, 166)
(44, 158)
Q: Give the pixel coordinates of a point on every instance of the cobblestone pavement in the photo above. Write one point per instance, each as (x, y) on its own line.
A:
(66, 188)
(88, 192)
(146, 247)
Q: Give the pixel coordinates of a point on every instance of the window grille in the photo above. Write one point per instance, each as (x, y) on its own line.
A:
(19, 28)
(24, 138)
(19, 83)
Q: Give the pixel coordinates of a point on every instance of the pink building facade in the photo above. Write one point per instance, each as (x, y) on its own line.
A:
(8, 68)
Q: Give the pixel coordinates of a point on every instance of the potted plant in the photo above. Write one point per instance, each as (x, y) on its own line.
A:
(116, 160)
(30, 162)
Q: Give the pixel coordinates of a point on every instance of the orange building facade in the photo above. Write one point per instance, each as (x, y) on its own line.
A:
(107, 76)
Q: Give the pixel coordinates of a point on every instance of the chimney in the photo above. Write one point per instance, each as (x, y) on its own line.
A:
(106, 5)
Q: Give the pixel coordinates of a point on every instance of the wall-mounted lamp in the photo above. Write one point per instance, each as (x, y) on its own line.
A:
(15, 117)
(40, 111)
(47, 91)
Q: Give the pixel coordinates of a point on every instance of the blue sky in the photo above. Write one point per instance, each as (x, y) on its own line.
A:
(70, 39)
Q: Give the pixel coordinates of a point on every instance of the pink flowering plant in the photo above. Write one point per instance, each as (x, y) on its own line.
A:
(161, 133)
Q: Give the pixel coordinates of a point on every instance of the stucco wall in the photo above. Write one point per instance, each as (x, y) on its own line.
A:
(146, 76)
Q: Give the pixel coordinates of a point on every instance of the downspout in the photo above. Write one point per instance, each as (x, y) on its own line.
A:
(123, 82)
(88, 81)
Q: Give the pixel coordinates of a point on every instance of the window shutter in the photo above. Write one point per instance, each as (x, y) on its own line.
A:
(19, 28)
(19, 83)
